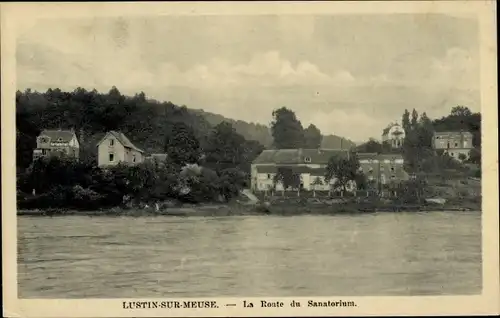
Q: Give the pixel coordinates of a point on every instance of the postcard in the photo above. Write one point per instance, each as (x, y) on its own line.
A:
(241, 159)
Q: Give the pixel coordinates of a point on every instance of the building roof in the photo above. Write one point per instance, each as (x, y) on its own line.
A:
(297, 156)
(284, 157)
(382, 156)
(122, 139)
(54, 135)
(452, 133)
(386, 130)
(296, 169)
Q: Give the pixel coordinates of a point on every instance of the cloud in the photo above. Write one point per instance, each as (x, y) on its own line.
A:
(459, 68)
(245, 70)
(339, 121)
(263, 69)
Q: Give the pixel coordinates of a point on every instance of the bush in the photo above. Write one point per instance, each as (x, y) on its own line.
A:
(87, 187)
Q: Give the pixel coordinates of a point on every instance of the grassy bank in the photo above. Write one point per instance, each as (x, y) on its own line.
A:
(288, 208)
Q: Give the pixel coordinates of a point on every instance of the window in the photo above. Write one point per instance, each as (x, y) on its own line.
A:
(393, 177)
(111, 157)
(307, 159)
(382, 178)
(133, 158)
(456, 144)
(44, 152)
(437, 137)
(269, 176)
(392, 169)
(111, 142)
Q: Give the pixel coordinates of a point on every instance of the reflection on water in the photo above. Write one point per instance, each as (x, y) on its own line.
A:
(378, 254)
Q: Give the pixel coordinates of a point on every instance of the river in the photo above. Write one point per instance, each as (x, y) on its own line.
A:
(433, 253)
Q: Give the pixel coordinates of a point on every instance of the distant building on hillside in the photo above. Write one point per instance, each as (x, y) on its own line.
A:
(453, 142)
(311, 164)
(394, 135)
(60, 143)
(115, 147)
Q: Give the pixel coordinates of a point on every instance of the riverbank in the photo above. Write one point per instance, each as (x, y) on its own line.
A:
(235, 209)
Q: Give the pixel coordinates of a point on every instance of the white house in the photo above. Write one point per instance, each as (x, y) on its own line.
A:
(311, 164)
(115, 147)
(394, 134)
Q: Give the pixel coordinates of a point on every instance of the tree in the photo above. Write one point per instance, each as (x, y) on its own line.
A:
(414, 119)
(361, 182)
(462, 157)
(224, 147)
(371, 146)
(406, 121)
(181, 145)
(286, 129)
(426, 131)
(288, 178)
(312, 136)
(475, 156)
(460, 111)
(343, 170)
(316, 182)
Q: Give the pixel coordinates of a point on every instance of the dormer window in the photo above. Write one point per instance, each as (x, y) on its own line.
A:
(307, 159)
(59, 139)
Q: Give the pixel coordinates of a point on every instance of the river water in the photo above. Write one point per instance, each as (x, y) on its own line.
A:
(433, 253)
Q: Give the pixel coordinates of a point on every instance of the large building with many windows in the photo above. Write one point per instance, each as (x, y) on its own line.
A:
(457, 144)
(311, 164)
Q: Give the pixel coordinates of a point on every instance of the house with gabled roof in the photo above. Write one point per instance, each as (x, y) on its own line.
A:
(311, 165)
(116, 148)
(57, 142)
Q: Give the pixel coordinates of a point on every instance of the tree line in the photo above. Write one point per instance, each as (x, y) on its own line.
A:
(148, 123)
(63, 183)
(219, 152)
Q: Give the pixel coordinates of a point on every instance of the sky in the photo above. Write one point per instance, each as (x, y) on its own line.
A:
(350, 75)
